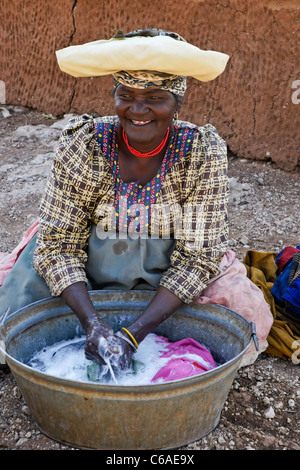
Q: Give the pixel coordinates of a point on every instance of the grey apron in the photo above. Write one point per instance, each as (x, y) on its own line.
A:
(120, 263)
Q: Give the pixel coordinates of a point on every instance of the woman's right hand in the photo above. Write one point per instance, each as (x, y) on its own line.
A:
(100, 341)
(77, 298)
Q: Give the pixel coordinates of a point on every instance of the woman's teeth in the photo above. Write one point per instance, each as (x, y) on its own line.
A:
(140, 123)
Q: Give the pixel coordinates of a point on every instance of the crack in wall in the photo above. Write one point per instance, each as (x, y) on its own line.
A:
(74, 22)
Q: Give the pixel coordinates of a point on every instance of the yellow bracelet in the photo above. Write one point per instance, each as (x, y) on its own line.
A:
(131, 337)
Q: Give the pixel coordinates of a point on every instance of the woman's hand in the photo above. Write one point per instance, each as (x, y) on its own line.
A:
(101, 342)
(123, 359)
(100, 339)
(102, 345)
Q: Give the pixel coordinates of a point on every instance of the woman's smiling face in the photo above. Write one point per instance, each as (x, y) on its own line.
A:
(145, 114)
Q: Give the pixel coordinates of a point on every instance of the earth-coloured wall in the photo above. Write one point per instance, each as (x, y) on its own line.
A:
(254, 104)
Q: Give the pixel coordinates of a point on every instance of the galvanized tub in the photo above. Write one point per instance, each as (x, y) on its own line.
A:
(96, 416)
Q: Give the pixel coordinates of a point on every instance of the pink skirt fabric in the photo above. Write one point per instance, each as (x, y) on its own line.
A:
(233, 289)
(8, 260)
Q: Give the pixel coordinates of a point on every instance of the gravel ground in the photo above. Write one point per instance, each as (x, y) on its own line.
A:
(263, 406)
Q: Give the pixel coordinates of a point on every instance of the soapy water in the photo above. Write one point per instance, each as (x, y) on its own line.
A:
(66, 359)
(108, 358)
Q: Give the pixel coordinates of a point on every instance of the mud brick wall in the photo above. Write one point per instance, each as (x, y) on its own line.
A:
(255, 104)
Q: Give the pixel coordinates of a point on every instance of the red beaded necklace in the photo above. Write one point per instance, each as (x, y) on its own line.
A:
(148, 154)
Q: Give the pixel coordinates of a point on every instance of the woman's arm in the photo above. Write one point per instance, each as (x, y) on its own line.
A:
(68, 206)
(203, 195)
(77, 298)
(161, 307)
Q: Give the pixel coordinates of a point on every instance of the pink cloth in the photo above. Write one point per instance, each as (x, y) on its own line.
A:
(233, 289)
(8, 260)
(180, 365)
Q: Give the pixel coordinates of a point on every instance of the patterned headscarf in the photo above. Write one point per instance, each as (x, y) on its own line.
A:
(146, 79)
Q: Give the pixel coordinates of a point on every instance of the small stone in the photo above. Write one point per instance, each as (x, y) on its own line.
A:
(16, 392)
(244, 240)
(5, 112)
(278, 405)
(269, 441)
(283, 430)
(21, 441)
(236, 385)
(25, 410)
(270, 413)
(291, 403)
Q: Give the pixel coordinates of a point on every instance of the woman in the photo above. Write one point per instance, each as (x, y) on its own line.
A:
(139, 195)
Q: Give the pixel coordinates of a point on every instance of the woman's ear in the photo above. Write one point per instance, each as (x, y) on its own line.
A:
(179, 102)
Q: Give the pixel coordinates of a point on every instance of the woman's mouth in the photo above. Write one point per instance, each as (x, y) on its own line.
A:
(140, 123)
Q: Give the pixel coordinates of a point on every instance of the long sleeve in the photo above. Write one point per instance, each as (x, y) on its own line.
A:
(68, 205)
(203, 188)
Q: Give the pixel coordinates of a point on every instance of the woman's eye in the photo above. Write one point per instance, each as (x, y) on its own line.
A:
(125, 97)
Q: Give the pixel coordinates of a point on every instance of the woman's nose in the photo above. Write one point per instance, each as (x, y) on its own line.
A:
(139, 106)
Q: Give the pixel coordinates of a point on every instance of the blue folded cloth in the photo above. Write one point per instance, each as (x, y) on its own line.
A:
(285, 291)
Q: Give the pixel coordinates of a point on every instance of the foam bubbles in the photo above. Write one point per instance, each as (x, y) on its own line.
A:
(66, 359)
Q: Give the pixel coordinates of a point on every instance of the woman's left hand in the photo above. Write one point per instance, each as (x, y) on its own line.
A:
(122, 360)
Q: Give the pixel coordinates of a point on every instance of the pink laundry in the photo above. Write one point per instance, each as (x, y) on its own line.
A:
(8, 260)
(181, 366)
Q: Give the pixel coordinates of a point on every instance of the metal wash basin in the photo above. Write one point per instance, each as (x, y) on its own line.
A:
(96, 416)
